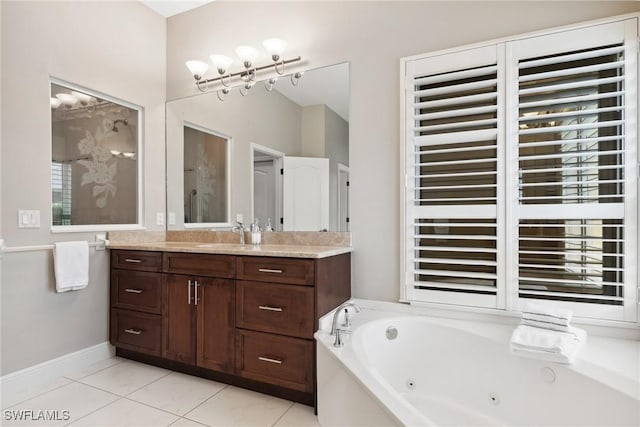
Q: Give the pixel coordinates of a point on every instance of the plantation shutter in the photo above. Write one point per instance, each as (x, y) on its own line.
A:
(575, 152)
(453, 145)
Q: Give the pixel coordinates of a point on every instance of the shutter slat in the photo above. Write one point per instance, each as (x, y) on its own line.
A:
(457, 187)
(571, 71)
(571, 183)
(572, 85)
(456, 261)
(571, 154)
(456, 113)
(455, 75)
(458, 100)
(449, 273)
(571, 57)
(457, 149)
(591, 140)
(456, 88)
(570, 295)
(573, 101)
(455, 137)
(456, 125)
(567, 128)
(455, 249)
(454, 285)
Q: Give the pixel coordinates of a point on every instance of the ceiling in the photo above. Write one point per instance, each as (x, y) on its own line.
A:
(169, 8)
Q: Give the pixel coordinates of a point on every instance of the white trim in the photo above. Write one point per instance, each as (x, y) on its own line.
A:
(517, 37)
(91, 228)
(278, 157)
(33, 376)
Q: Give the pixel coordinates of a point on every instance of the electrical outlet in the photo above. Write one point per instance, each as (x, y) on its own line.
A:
(239, 218)
(172, 218)
(160, 218)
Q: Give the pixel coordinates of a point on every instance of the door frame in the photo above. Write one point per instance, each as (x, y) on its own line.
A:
(277, 157)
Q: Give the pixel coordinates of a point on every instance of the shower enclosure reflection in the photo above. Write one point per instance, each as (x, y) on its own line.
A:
(206, 196)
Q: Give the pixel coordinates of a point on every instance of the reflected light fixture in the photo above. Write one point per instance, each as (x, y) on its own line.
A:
(246, 77)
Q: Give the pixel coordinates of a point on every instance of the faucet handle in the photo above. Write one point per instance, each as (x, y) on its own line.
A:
(347, 319)
(339, 341)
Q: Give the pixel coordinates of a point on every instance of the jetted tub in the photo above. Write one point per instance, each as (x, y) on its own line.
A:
(444, 372)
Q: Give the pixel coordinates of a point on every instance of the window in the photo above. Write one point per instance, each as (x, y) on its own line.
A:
(521, 173)
(95, 178)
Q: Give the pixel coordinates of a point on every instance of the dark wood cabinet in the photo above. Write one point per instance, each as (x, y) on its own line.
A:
(250, 319)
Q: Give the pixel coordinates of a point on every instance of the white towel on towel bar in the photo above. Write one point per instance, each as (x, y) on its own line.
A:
(549, 345)
(71, 265)
(546, 317)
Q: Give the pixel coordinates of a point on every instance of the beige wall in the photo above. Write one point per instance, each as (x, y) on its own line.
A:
(372, 36)
(117, 48)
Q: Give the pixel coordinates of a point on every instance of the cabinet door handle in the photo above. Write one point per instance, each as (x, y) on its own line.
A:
(136, 261)
(268, 308)
(189, 293)
(133, 291)
(133, 331)
(196, 284)
(269, 270)
(270, 360)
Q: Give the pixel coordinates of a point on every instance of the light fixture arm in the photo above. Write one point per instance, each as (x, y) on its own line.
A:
(244, 72)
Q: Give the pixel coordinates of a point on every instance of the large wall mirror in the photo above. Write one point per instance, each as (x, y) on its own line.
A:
(280, 156)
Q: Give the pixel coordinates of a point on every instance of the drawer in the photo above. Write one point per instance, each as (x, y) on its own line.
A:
(136, 290)
(279, 270)
(280, 309)
(136, 260)
(222, 266)
(274, 359)
(136, 331)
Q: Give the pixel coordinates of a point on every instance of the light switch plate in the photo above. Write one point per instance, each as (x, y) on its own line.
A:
(239, 218)
(160, 218)
(172, 218)
(28, 218)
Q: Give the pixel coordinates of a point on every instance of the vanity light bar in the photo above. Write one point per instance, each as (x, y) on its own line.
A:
(246, 72)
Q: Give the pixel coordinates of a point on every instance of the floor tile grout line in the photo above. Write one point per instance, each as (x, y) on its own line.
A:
(204, 401)
(93, 373)
(95, 410)
(283, 414)
(154, 407)
(40, 394)
(148, 384)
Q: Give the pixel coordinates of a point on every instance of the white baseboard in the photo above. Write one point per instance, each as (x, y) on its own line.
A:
(32, 376)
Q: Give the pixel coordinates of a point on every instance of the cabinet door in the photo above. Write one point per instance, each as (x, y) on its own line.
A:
(178, 316)
(216, 321)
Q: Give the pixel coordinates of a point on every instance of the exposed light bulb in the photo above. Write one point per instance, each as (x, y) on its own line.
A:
(55, 103)
(82, 97)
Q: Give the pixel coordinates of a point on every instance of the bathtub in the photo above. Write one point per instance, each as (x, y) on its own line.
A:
(445, 372)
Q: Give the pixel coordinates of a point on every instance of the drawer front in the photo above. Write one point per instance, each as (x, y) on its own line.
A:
(136, 331)
(136, 290)
(280, 309)
(136, 260)
(279, 270)
(282, 361)
(222, 266)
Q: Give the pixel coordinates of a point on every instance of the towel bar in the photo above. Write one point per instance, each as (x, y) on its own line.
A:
(100, 245)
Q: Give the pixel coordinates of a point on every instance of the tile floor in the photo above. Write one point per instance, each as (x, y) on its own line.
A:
(120, 392)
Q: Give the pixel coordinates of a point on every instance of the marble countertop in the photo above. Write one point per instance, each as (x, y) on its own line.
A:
(288, 251)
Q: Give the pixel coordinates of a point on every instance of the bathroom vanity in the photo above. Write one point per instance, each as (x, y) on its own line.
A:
(237, 314)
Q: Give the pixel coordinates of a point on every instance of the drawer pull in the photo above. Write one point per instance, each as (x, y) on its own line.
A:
(133, 331)
(133, 291)
(269, 270)
(266, 307)
(136, 261)
(270, 360)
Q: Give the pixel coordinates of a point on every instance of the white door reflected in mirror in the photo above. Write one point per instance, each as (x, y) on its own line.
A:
(306, 194)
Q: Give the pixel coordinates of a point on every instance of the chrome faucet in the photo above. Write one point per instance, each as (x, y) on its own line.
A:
(240, 228)
(334, 325)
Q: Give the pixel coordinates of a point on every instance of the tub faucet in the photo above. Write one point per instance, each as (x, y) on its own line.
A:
(343, 306)
(239, 228)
